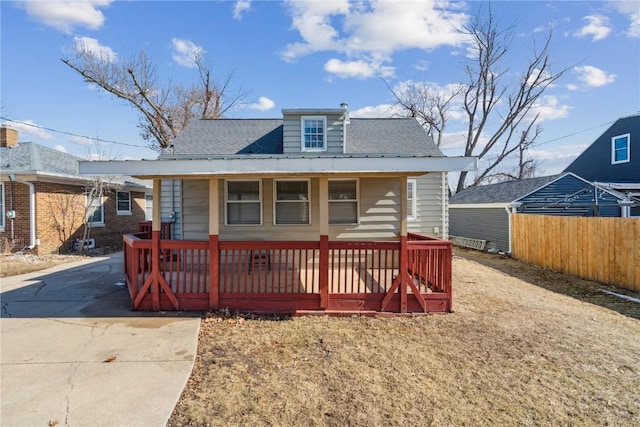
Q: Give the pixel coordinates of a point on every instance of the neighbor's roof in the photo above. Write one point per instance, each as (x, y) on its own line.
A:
(502, 192)
(264, 136)
(29, 158)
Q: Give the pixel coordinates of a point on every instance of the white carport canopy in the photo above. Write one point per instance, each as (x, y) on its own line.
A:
(279, 165)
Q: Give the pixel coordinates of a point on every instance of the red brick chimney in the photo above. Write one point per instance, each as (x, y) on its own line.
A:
(8, 137)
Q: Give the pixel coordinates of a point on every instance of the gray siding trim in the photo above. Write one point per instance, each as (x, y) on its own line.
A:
(490, 224)
(292, 133)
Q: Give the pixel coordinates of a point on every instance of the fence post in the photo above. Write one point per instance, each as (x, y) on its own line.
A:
(324, 271)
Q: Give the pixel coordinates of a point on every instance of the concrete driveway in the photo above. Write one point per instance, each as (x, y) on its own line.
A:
(73, 353)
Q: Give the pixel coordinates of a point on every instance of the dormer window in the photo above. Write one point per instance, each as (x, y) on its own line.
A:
(620, 149)
(314, 133)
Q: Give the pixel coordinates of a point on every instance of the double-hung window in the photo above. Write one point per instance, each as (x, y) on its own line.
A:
(343, 201)
(412, 199)
(292, 202)
(244, 202)
(148, 206)
(314, 133)
(620, 147)
(123, 203)
(95, 207)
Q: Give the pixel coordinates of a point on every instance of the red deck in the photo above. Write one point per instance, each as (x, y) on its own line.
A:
(289, 276)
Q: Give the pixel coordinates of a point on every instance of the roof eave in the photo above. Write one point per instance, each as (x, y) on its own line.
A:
(278, 166)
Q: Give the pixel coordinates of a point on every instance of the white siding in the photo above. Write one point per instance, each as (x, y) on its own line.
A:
(195, 214)
(429, 210)
(170, 205)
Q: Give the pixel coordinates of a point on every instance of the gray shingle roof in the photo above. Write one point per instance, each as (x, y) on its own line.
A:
(264, 136)
(502, 192)
(32, 158)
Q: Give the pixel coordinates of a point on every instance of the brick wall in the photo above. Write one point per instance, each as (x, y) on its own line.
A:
(60, 211)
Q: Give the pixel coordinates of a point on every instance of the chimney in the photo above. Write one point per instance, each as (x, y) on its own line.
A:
(8, 137)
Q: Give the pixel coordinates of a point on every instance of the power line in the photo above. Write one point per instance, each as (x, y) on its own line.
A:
(571, 134)
(71, 134)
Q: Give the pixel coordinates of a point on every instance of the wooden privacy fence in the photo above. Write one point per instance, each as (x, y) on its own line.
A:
(606, 250)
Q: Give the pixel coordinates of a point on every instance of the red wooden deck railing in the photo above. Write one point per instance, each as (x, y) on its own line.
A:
(288, 276)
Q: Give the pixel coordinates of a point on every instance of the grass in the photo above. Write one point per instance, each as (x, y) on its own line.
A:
(14, 264)
(512, 354)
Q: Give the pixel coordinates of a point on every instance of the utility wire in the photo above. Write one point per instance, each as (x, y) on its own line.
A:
(72, 134)
(571, 134)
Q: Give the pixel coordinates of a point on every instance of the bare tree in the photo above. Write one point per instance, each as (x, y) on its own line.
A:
(428, 104)
(164, 111)
(498, 103)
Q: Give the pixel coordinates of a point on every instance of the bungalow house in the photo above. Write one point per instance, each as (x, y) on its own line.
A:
(613, 161)
(313, 211)
(479, 216)
(43, 201)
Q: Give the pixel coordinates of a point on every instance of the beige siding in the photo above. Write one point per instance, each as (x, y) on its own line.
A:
(378, 212)
(429, 210)
(292, 134)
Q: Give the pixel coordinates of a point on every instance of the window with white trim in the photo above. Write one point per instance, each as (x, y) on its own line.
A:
(292, 202)
(2, 206)
(243, 200)
(123, 203)
(412, 199)
(95, 208)
(620, 147)
(343, 201)
(314, 133)
(148, 206)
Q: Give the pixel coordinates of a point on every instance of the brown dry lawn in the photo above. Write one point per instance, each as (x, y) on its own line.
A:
(14, 264)
(513, 353)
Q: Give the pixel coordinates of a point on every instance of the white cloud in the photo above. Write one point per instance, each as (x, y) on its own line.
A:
(186, 52)
(88, 44)
(28, 127)
(82, 140)
(66, 15)
(381, 110)
(360, 69)
(370, 32)
(598, 27)
(631, 9)
(263, 104)
(548, 107)
(593, 76)
(60, 148)
(240, 7)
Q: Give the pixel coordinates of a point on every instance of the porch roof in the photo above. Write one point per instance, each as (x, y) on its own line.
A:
(353, 164)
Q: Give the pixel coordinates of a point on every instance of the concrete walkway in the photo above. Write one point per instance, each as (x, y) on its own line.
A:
(74, 354)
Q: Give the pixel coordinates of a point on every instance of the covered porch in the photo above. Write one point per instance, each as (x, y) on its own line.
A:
(266, 267)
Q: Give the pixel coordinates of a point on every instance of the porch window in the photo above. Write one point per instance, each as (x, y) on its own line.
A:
(412, 199)
(95, 207)
(620, 149)
(343, 201)
(292, 202)
(243, 200)
(123, 203)
(148, 206)
(314, 135)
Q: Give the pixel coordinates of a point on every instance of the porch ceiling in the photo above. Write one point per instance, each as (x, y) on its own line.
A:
(272, 165)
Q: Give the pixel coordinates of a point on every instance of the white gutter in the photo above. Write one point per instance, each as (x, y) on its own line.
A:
(32, 210)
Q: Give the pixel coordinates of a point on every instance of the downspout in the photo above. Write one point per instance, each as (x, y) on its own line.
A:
(511, 209)
(345, 121)
(32, 210)
(444, 234)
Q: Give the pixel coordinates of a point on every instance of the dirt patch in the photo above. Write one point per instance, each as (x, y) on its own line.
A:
(14, 264)
(513, 353)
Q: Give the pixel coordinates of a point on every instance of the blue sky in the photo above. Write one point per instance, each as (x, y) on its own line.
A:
(310, 54)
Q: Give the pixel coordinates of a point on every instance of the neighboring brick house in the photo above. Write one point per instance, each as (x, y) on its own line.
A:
(43, 200)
